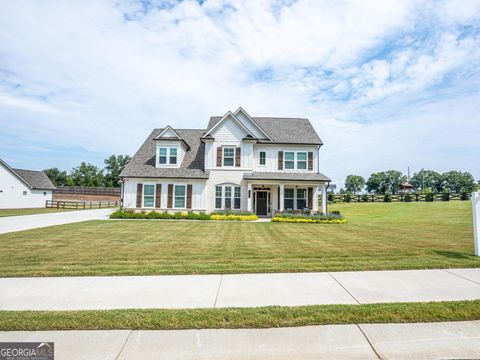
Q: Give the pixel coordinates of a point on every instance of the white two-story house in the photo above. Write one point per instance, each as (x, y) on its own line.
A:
(258, 164)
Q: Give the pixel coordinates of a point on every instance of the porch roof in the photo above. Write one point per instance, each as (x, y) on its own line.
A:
(281, 176)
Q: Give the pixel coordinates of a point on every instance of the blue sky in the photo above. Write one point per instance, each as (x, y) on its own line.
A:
(387, 84)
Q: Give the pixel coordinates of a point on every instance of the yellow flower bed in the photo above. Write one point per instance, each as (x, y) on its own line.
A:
(311, 221)
(234, 217)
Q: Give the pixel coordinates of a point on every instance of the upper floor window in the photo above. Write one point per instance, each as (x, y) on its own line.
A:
(302, 160)
(228, 156)
(263, 158)
(167, 155)
(289, 160)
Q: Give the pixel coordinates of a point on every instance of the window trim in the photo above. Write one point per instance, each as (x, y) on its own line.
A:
(297, 198)
(184, 196)
(295, 159)
(232, 157)
(285, 160)
(289, 198)
(216, 197)
(232, 196)
(260, 158)
(143, 195)
(306, 160)
(168, 155)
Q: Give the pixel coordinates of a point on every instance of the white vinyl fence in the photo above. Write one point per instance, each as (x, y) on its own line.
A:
(476, 221)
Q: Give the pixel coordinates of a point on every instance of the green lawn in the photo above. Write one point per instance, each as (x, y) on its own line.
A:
(262, 317)
(378, 236)
(16, 212)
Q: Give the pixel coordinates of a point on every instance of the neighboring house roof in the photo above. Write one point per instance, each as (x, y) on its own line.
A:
(37, 180)
(285, 176)
(282, 130)
(143, 162)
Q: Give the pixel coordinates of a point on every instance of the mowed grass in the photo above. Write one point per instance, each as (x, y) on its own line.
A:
(17, 212)
(378, 236)
(234, 318)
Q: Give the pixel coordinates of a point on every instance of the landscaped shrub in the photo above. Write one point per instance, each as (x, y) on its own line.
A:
(445, 196)
(330, 197)
(364, 198)
(464, 196)
(232, 217)
(331, 218)
(232, 212)
(130, 214)
(311, 221)
(387, 198)
(429, 197)
(347, 198)
(407, 197)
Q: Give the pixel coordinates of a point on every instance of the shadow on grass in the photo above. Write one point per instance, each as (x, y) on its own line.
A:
(455, 255)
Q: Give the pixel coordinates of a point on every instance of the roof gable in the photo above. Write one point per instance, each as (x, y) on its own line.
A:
(32, 178)
(228, 116)
(251, 124)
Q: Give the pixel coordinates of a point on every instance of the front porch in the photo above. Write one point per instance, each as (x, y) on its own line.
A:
(264, 198)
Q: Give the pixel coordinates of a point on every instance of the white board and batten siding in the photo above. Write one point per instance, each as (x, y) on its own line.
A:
(272, 157)
(198, 192)
(15, 194)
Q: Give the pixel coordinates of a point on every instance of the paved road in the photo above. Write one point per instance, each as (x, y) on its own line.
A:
(449, 340)
(243, 290)
(27, 222)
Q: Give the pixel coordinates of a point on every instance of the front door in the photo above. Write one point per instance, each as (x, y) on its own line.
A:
(262, 199)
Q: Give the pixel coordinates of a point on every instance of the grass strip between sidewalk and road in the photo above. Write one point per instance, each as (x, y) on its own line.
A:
(236, 318)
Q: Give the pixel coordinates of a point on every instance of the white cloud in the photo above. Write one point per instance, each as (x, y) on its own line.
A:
(99, 75)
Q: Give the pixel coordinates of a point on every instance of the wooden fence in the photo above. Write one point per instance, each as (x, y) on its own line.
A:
(86, 190)
(396, 197)
(81, 204)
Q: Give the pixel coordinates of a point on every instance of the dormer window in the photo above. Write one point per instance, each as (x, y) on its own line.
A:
(228, 156)
(167, 155)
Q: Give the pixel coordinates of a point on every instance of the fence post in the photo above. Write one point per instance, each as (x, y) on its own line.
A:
(476, 221)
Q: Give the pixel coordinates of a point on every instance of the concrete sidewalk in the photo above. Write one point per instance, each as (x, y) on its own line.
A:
(27, 222)
(243, 290)
(448, 340)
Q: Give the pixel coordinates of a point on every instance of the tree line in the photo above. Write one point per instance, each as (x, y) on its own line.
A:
(424, 181)
(87, 174)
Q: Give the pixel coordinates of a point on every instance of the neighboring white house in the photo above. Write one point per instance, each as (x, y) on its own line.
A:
(23, 188)
(259, 164)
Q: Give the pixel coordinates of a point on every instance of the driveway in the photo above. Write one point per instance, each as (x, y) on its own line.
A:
(27, 222)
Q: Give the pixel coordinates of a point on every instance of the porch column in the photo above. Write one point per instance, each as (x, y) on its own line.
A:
(249, 197)
(281, 202)
(324, 199)
(315, 199)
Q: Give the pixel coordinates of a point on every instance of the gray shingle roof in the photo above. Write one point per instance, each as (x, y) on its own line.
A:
(283, 130)
(285, 176)
(36, 179)
(192, 166)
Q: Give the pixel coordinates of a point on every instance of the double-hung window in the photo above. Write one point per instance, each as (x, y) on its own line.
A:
(162, 156)
(262, 157)
(179, 196)
(218, 197)
(148, 195)
(173, 155)
(167, 155)
(289, 160)
(288, 198)
(228, 156)
(228, 197)
(301, 199)
(236, 201)
(301, 160)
